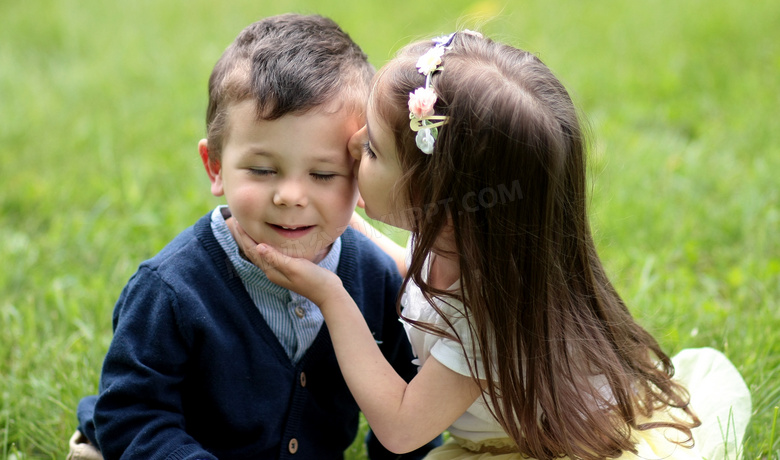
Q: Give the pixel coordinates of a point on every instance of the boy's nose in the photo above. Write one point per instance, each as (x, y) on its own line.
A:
(356, 143)
(290, 193)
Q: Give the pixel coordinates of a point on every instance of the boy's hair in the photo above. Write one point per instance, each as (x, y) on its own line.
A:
(567, 369)
(289, 64)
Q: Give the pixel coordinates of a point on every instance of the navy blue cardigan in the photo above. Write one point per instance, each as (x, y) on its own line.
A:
(194, 372)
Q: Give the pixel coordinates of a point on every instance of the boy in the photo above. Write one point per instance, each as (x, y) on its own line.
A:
(209, 359)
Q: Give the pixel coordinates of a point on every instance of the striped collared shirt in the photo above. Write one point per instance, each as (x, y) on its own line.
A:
(294, 319)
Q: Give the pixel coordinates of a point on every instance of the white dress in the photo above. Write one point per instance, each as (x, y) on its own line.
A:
(719, 396)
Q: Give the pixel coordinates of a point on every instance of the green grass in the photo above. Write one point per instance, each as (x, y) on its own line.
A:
(102, 105)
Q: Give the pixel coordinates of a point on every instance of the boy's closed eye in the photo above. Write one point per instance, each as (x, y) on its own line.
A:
(317, 175)
(261, 171)
(323, 176)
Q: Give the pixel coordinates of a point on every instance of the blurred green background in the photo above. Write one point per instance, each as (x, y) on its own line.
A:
(102, 105)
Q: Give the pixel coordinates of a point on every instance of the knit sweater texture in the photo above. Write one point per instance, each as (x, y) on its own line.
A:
(194, 372)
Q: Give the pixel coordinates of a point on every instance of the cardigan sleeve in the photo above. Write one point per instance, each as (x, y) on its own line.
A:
(139, 411)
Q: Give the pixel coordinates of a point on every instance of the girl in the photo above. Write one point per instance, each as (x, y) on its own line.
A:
(525, 348)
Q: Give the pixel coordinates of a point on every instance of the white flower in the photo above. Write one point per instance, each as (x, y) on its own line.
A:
(425, 141)
(430, 61)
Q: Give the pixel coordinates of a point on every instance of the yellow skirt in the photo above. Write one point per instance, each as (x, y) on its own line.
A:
(719, 397)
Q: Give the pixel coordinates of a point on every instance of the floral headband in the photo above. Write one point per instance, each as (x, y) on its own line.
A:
(423, 120)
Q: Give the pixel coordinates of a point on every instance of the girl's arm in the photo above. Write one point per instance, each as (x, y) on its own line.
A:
(403, 416)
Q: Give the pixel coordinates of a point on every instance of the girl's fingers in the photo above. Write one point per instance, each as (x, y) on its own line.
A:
(245, 242)
(271, 256)
(281, 269)
(299, 275)
(269, 260)
(251, 249)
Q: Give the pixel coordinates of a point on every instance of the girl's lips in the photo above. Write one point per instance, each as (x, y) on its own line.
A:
(291, 232)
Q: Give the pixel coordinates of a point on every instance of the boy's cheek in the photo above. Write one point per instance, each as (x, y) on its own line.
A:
(355, 170)
(355, 191)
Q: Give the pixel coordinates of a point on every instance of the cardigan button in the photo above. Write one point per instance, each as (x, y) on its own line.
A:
(303, 379)
(293, 446)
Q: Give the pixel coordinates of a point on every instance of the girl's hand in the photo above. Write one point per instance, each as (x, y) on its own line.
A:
(403, 416)
(300, 275)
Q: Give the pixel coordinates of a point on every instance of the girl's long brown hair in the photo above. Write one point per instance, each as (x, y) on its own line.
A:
(566, 368)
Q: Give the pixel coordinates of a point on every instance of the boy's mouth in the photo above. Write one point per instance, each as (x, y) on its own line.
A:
(291, 231)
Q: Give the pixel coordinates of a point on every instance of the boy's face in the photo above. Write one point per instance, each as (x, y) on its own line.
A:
(288, 182)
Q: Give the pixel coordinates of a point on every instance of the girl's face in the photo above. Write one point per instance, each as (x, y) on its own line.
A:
(378, 170)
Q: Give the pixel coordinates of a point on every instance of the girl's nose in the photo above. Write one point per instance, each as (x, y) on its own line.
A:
(356, 143)
(290, 193)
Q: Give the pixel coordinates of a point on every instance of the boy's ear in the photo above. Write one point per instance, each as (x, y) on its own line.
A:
(213, 168)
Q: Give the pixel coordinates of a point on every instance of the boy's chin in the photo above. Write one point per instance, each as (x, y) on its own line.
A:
(312, 254)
